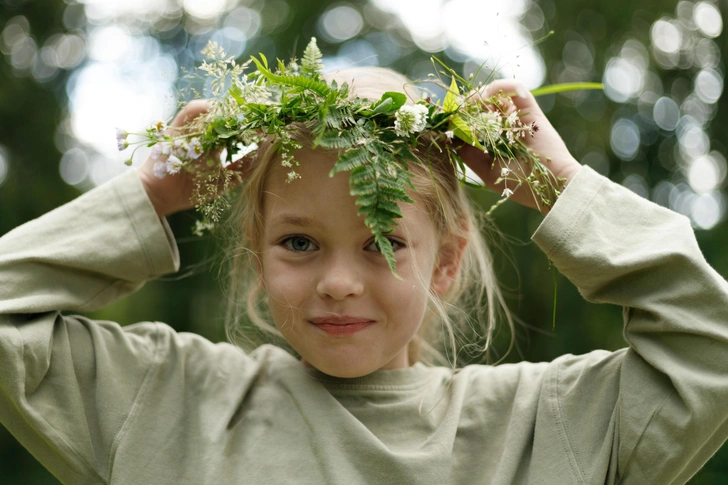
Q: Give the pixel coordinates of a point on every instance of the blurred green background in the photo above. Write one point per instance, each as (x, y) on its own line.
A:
(72, 71)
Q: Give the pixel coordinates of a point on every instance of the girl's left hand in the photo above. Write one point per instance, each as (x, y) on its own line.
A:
(546, 143)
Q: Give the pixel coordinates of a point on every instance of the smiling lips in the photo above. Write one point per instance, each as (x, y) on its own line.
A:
(341, 325)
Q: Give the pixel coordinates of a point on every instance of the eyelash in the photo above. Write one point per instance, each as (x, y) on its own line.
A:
(286, 243)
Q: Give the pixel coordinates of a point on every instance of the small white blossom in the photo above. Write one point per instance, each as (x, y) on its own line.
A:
(195, 149)
(160, 169)
(161, 149)
(292, 175)
(179, 148)
(201, 227)
(173, 165)
(244, 150)
(157, 129)
(410, 119)
(449, 134)
(488, 125)
(504, 171)
(512, 119)
(507, 193)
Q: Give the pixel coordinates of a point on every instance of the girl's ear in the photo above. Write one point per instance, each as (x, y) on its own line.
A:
(449, 257)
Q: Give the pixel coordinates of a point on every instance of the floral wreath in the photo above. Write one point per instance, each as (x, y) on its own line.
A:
(375, 139)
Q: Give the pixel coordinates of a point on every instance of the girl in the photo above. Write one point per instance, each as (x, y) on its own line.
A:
(98, 403)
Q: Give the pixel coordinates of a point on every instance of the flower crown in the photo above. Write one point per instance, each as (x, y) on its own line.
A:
(376, 140)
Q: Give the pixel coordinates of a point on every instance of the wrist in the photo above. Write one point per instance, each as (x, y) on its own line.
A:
(160, 207)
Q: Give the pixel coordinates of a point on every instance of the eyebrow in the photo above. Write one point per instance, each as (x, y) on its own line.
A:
(300, 221)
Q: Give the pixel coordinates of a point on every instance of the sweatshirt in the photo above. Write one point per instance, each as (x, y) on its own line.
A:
(98, 403)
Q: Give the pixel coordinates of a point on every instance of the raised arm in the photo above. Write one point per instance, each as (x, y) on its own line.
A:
(668, 414)
(655, 412)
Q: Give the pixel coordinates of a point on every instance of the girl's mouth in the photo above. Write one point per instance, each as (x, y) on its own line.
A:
(341, 326)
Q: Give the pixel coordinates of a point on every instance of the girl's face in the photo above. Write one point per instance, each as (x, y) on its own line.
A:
(320, 266)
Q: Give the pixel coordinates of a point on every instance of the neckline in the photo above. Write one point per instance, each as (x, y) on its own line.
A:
(382, 378)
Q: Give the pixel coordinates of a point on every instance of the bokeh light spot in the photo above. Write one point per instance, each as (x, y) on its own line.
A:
(625, 139)
(340, 23)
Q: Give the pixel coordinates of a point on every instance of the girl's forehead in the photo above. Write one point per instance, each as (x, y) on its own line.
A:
(317, 198)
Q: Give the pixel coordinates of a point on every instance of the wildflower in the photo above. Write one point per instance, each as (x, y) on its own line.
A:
(504, 171)
(488, 125)
(449, 134)
(160, 169)
(507, 193)
(156, 130)
(195, 149)
(512, 119)
(292, 175)
(161, 149)
(201, 227)
(410, 119)
(244, 150)
(173, 165)
(121, 141)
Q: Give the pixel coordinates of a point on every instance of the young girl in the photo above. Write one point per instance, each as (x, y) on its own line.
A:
(142, 404)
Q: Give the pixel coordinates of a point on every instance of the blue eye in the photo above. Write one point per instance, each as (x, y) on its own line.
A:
(299, 244)
(395, 245)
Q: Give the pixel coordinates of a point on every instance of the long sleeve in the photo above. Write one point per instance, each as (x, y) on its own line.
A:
(68, 384)
(657, 411)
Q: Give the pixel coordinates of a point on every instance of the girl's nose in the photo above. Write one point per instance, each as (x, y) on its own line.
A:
(339, 279)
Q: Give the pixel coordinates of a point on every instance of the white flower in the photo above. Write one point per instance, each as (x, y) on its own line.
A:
(157, 129)
(410, 119)
(507, 193)
(292, 175)
(504, 171)
(160, 169)
(449, 134)
(173, 165)
(195, 149)
(512, 119)
(244, 150)
(179, 148)
(488, 125)
(161, 149)
(201, 227)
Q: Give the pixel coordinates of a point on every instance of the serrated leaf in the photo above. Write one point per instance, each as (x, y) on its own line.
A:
(450, 105)
(461, 130)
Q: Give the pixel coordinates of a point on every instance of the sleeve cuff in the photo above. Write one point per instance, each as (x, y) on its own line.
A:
(154, 234)
(564, 218)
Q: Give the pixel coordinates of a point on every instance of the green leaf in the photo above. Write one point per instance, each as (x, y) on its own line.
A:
(384, 106)
(398, 99)
(450, 104)
(236, 93)
(564, 87)
(461, 130)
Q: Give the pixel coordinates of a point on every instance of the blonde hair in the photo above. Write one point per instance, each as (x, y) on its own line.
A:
(467, 313)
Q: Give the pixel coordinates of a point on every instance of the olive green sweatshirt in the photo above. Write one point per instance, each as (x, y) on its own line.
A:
(100, 404)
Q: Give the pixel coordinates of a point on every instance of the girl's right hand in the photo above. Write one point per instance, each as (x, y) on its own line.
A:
(173, 193)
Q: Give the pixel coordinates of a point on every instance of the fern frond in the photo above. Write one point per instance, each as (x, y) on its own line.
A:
(350, 159)
(301, 82)
(311, 63)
